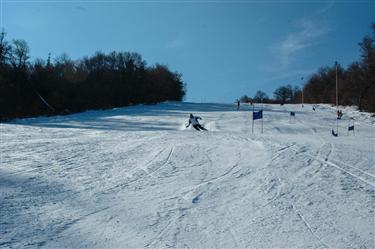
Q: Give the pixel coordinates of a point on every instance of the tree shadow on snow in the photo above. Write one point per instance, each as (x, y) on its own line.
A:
(33, 210)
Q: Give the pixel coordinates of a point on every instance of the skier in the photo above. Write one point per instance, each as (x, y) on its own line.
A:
(339, 114)
(194, 122)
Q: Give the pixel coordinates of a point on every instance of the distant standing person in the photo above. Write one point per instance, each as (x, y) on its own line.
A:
(194, 122)
(238, 104)
(339, 114)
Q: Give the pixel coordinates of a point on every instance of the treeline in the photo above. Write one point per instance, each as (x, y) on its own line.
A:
(356, 84)
(63, 86)
(283, 94)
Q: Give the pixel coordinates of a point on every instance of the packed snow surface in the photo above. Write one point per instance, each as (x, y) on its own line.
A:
(137, 178)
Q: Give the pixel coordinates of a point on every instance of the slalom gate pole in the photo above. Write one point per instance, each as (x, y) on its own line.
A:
(252, 126)
(262, 118)
(337, 101)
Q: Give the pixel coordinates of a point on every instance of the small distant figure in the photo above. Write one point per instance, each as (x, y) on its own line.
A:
(313, 108)
(339, 114)
(194, 122)
(238, 104)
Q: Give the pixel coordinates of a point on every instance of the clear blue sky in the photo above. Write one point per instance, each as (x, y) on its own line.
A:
(224, 49)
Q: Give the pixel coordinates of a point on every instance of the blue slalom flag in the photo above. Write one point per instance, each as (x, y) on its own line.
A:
(292, 114)
(351, 128)
(258, 115)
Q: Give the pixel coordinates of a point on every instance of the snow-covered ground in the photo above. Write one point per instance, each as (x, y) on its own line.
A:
(135, 177)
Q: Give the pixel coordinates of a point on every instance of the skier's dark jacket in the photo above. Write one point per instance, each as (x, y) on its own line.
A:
(193, 120)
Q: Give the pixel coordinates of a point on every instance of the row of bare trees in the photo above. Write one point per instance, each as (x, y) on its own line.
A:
(283, 94)
(61, 86)
(356, 84)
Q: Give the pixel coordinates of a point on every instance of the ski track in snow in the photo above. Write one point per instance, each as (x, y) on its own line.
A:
(134, 177)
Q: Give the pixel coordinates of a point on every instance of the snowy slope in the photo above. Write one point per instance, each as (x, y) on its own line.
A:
(135, 177)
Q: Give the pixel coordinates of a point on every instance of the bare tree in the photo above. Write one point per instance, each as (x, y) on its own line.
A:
(260, 96)
(20, 54)
(284, 93)
(5, 48)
